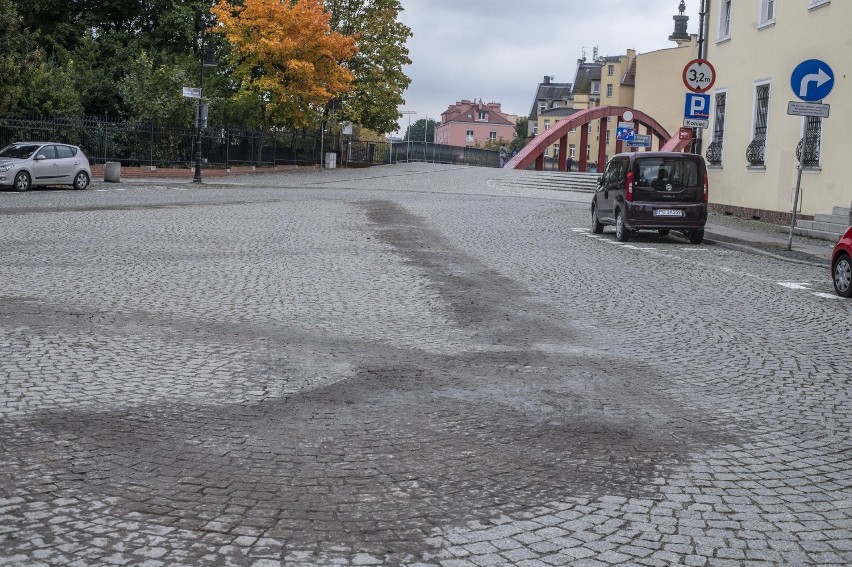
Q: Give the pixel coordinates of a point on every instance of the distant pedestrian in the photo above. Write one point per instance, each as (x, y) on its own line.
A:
(503, 155)
(570, 163)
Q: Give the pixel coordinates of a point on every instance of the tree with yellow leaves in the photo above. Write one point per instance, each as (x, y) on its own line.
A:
(285, 57)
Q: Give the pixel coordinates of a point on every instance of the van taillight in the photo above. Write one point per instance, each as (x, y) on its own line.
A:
(706, 196)
(628, 187)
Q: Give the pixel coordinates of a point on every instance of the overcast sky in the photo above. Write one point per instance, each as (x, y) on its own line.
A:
(500, 50)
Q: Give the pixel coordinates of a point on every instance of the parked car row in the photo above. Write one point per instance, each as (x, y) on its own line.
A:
(38, 164)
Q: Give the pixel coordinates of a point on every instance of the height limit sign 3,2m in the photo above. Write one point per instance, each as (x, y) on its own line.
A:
(699, 75)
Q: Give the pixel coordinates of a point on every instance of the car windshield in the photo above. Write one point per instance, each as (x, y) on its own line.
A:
(19, 151)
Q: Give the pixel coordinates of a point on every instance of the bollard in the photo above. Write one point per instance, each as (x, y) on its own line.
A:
(112, 172)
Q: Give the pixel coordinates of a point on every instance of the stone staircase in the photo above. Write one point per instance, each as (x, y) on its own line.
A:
(825, 227)
(553, 180)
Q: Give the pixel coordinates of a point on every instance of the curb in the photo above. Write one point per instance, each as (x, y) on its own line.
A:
(814, 261)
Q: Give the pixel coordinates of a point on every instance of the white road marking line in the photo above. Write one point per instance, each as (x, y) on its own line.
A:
(794, 285)
(826, 295)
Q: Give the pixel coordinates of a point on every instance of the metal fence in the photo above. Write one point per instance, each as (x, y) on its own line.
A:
(144, 143)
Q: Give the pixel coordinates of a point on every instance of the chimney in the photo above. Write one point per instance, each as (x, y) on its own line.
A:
(547, 79)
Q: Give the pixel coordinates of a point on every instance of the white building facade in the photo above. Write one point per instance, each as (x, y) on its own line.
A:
(751, 144)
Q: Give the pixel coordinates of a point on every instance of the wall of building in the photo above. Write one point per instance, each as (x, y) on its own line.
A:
(660, 91)
(756, 52)
(455, 133)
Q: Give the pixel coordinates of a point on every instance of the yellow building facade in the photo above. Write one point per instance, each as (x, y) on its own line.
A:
(752, 141)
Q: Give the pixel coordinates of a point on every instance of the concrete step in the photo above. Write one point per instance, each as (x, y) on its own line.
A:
(563, 181)
(830, 236)
(824, 226)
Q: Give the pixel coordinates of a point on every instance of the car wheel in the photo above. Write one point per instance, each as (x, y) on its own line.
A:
(696, 236)
(81, 181)
(663, 232)
(597, 227)
(843, 276)
(22, 181)
(622, 234)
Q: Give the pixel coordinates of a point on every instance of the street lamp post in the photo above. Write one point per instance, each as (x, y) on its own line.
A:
(408, 133)
(207, 60)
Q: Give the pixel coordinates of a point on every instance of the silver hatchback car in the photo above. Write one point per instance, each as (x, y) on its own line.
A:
(35, 164)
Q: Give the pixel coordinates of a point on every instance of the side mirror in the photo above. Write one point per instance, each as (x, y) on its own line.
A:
(40, 157)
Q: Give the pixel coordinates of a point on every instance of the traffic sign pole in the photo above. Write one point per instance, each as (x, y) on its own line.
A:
(811, 81)
(798, 183)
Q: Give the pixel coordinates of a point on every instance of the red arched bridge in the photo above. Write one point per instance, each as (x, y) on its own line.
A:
(533, 152)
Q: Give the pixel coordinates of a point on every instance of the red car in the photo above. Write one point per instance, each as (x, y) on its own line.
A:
(841, 265)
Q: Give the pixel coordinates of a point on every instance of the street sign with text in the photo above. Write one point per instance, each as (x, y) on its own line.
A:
(699, 75)
(796, 108)
(192, 92)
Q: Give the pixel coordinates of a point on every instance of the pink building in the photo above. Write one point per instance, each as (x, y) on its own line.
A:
(468, 123)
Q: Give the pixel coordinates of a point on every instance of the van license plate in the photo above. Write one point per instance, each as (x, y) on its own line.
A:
(668, 213)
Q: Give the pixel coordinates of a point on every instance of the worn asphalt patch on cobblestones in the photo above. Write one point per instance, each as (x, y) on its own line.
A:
(371, 377)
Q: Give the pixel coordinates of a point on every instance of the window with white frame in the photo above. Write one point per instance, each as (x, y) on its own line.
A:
(535, 129)
(469, 136)
(767, 12)
(814, 4)
(714, 150)
(542, 106)
(492, 135)
(482, 116)
(596, 87)
(756, 151)
(610, 70)
(609, 90)
(547, 124)
(725, 19)
(572, 150)
(810, 142)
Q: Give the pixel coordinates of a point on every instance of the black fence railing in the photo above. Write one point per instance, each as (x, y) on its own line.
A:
(141, 143)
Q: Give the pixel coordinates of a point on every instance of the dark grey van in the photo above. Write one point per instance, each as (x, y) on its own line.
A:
(659, 191)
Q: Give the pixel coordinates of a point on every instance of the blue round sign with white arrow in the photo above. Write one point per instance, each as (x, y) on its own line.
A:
(812, 80)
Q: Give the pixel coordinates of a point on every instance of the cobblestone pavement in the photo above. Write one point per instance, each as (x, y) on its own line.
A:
(408, 365)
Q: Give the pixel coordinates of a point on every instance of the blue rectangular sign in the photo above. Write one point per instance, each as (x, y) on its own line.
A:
(697, 106)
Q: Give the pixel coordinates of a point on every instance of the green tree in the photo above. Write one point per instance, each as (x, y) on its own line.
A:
(154, 92)
(18, 55)
(51, 91)
(379, 80)
(520, 133)
(419, 129)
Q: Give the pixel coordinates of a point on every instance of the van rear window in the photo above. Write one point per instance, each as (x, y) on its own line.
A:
(658, 172)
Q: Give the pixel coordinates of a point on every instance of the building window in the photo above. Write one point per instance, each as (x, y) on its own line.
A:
(469, 136)
(610, 70)
(482, 116)
(547, 125)
(573, 129)
(756, 151)
(542, 106)
(492, 135)
(725, 20)
(767, 12)
(609, 90)
(811, 142)
(572, 150)
(714, 150)
(596, 87)
(814, 4)
(535, 128)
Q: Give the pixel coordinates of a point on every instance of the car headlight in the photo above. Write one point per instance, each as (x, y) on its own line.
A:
(5, 168)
